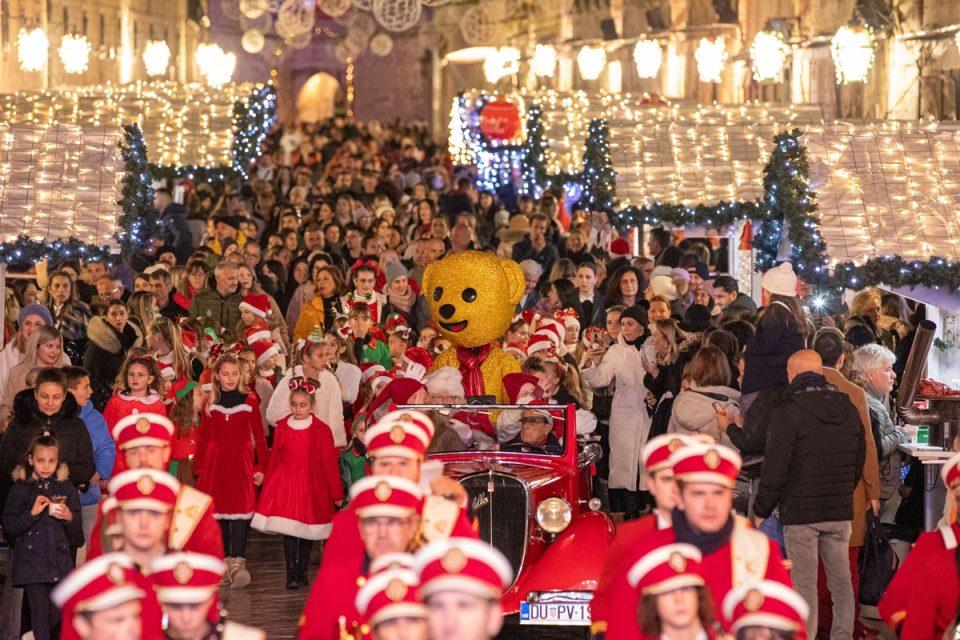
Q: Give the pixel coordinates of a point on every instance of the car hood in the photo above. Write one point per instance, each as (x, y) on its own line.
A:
(534, 472)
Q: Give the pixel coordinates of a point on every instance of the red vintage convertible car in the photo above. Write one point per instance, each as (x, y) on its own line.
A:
(539, 510)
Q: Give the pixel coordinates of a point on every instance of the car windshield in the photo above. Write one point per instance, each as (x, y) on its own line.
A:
(517, 429)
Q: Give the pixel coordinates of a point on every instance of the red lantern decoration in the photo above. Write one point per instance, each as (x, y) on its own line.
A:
(746, 237)
(500, 120)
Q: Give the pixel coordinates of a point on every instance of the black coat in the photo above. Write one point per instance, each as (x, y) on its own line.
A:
(76, 449)
(751, 438)
(777, 338)
(176, 233)
(42, 545)
(814, 455)
(104, 356)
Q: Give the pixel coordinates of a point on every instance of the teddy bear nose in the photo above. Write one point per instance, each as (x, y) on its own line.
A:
(447, 311)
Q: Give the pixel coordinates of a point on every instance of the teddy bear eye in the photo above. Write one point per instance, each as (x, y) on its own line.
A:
(469, 295)
(437, 294)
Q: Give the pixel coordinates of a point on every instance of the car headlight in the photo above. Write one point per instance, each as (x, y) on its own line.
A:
(554, 515)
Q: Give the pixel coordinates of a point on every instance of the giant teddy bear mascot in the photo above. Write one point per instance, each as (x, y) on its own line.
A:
(473, 297)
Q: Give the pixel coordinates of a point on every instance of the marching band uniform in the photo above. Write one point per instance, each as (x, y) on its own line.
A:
(656, 457)
(192, 578)
(387, 595)
(193, 527)
(742, 555)
(766, 604)
(331, 612)
(102, 584)
(910, 604)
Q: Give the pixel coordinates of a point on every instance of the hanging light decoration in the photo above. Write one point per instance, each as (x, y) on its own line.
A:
(215, 64)
(32, 47)
(156, 57)
(648, 56)
(544, 61)
(591, 61)
(503, 62)
(252, 41)
(768, 55)
(711, 55)
(74, 53)
(852, 51)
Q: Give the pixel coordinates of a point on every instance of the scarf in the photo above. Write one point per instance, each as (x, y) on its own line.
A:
(807, 381)
(404, 302)
(638, 343)
(470, 361)
(706, 542)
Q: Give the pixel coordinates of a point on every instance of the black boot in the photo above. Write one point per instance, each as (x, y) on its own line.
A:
(304, 548)
(290, 556)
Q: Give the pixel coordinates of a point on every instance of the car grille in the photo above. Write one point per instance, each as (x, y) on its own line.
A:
(499, 503)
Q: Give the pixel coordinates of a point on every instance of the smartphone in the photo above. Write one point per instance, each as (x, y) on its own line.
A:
(718, 407)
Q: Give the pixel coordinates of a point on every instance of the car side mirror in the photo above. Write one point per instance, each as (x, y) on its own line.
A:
(590, 454)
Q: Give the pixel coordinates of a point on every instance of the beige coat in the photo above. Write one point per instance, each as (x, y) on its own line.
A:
(869, 486)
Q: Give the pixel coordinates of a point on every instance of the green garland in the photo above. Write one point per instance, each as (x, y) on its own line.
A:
(137, 223)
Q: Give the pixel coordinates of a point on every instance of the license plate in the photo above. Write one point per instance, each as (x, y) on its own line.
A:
(557, 608)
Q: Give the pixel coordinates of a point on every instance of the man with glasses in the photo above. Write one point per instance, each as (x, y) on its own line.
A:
(536, 434)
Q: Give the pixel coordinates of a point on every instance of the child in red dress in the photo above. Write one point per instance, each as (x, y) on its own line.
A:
(185, 398)
(136, 389)
(230, 429)
(303, 487)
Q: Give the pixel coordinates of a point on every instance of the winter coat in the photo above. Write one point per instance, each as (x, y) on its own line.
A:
(693, 411)
(222, 313)
(777, 338)
(629, 421)
(176, 233)
(42, 544)
(328, 403)
(751, 438)
(888, 438)
(742, 308)
(76, 450)
(311, 316)
(814, 456)
(104, 450)
(104, 356)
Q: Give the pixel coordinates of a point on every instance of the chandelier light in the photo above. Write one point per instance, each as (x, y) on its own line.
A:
(852, 51)
(75, 53)
(544, 61)
(768, 55)
(648, 56)
(156, 57)
(216, 66)
(711, 55)
(503, 62)
(32, 47)
(591, 61)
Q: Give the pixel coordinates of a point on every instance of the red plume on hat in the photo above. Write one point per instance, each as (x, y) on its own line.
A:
(513, 382)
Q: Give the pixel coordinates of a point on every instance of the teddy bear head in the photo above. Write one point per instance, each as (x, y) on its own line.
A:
(473, 296)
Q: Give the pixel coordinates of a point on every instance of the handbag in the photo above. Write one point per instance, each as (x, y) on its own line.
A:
(878, 562)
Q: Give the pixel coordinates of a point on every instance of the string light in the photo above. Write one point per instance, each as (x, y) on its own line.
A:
(456, 141)
(544, 61)
(351, 87)
(648, 56)
(768, 55)
(156, 57)
(74, 53)
(32, 48)
(711, 56)
(852, 48)
(501, 63)
(591, 61)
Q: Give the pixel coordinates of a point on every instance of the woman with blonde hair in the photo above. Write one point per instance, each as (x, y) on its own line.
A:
(695, 409)
(44, 349)
(664, 371)
(141, 309)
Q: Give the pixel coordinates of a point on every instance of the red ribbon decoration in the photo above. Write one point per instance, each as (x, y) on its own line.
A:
(470, 361)
(365, 263)
(301, 384)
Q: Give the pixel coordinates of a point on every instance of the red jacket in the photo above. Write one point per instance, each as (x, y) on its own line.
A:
(922, 599)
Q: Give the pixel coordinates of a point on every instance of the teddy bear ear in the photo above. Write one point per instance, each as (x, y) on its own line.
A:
(515, 280)
(425, 285)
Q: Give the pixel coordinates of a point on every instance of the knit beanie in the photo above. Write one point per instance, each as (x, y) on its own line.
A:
(636, 313)
(35, 309)
(395, 270)
(781, 280)
(664, 287)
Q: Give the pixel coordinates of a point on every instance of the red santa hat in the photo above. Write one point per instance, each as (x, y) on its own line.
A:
(416, 362)
(711, 463)
(657, 451)
(463, 565)
(99, 584)
(394, 322)
(513, 382)
(264, 350)
(142, 430)
(446, 381)
(619, 248)
(189, 339)
(370, 369)
(167, 372)
(542, 346)
(516, 349)
(663, 569)
(256, 303)
(397, 391)
(385, 496)
(568, 318)
(765, 604)
(186, 577)
(389, 595)
(206, 380)
(950, 473)
(401, 433)
(147, 489)
(256, 332)
(108, 514)
(552, 329)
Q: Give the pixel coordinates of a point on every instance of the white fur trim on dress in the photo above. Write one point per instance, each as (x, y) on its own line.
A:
(299, 425)
(240, 408)
(148, 399)
(289, 527)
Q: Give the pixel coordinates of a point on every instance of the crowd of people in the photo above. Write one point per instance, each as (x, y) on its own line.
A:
(241, 372)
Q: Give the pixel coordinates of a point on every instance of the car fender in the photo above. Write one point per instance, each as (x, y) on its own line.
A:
(572, 562)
